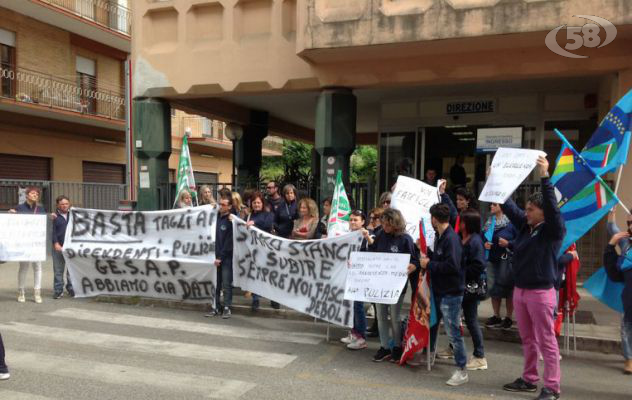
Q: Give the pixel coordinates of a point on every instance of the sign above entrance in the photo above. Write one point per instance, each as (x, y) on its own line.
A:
(488, 140)
(470, 107)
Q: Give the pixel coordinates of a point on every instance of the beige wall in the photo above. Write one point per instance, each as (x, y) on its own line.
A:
(47, 49)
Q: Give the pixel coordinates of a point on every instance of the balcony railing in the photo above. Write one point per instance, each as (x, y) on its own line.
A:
(27, 86)
(106, 13)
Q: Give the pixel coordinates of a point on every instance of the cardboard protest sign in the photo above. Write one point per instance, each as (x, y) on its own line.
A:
(160, 254)
(509, 168)
(306, 275)
(414, 199)
(376, 277)
(22, 237)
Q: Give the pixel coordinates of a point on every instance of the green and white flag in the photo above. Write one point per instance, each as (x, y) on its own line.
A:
(186, 181)
(340, 214)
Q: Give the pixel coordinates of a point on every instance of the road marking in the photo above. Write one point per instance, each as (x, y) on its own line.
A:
(13, 395)
(208, 386)
(152, 346)
(185, 326)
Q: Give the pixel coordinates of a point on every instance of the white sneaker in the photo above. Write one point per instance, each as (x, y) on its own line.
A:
(4, 377)
(476, 364)
(357, 344)
(347, 339)
(459, 377)
(446, 353)
(37, 296)
(21, 296)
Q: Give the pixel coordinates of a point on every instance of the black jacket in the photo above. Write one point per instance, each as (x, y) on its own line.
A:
(59, 228)
(446, 270)
(612, 262)
(473, 258)
(224, 239)
(536, 250)
(24, 208)
(386, 243)
(284, 217)
(263, 220)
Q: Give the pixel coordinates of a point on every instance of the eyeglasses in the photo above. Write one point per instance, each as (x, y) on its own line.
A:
(373, 217)
(386, 202)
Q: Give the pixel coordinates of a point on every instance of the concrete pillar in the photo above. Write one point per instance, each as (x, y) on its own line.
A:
(248, 149)
(625, 188)
(152, 144)
(335, 136)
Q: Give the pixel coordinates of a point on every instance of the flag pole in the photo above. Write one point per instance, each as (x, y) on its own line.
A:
(579, 156)
(616, 186)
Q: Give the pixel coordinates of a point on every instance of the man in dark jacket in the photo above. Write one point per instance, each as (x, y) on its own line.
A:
(540, 233)
(447, 277)
(619, 269)
(224, 256)
(59, 264)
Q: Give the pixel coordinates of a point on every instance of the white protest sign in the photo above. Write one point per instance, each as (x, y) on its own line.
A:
(22, 237)
(509, 168)
(376, 277)
(306, 275)
(161, 254)
(414, 199)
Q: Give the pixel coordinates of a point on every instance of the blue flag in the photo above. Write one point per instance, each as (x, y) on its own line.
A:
(489, 234)
(608, 147)
(605, 290)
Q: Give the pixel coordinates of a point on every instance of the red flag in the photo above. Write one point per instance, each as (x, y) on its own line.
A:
(417, 333)
(568, 293)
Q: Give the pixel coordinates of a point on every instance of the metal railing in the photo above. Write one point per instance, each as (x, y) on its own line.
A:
(28, 86)
(107, 13)
(104, 196)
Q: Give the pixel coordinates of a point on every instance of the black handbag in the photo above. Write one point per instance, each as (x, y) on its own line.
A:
(477, 289)
(505, 276)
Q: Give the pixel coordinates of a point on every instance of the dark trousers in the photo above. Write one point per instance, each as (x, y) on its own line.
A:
(3, 367)
(470, 312)
(225, 282)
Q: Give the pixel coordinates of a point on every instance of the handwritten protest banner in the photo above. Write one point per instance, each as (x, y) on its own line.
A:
(22, 237)
(305, 275)
(160, 254)
(376, 277)
(414, 199)
(509, 168)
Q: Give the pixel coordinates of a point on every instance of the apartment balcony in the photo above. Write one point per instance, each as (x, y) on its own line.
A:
(37, 93)
(107, 22)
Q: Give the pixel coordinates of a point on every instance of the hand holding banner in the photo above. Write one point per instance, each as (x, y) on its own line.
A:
(509, 168)
(376, 277)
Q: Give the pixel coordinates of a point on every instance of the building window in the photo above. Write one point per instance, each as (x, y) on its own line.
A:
(87, 82)
(7, 63)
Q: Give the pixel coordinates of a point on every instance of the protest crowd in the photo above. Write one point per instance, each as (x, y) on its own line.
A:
(452, 260)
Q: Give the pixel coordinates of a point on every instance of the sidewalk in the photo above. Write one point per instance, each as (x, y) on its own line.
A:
(597, 327)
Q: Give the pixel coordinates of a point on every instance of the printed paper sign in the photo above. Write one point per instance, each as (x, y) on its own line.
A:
(22, 237)
(509, 168)
(161, 254)
(376, 277)
(414, 199)
(306, 275)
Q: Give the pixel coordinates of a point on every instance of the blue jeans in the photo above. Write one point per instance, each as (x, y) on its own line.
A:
(3, 366)
(59, 266)
(385, 327)
(359, 319)
(626, 338)
(224, 282)
(470, 312)
(449, 308)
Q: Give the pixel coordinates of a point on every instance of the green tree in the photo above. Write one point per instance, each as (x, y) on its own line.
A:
(363, 164)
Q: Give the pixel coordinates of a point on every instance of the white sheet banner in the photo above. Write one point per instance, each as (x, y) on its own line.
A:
(509, 168)
(161, 254)
(22, 237)
(305, 275)
(414, 199)
(376, 277)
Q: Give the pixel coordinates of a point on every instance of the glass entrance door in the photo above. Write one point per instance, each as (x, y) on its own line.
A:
(398, 156)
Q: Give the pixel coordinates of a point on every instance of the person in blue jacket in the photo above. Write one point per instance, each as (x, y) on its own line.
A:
(59, 263)
(447, 277)
(619, 269)
(224, 257)
(541, 230)
(261, 218)
(286, 212)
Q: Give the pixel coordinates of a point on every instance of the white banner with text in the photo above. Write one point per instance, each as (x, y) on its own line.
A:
(376, 277)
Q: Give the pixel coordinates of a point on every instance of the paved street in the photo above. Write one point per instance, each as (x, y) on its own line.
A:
(80, 349)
